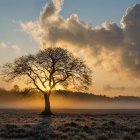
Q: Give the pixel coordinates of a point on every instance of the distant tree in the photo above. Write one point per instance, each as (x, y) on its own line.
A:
(49, 69)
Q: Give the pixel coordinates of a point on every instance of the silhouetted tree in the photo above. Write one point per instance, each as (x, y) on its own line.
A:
(48, 69)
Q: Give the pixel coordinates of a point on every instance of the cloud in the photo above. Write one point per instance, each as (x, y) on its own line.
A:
(109, 88)
(9, 46)
(137, 89)
(17, 49)
(122, 89)
(3, 45)
(34, 30)
(111, 47)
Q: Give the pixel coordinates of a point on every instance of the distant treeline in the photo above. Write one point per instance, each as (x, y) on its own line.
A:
(15, 93)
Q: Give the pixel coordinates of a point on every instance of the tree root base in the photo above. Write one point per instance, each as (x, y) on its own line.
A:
(45, 113)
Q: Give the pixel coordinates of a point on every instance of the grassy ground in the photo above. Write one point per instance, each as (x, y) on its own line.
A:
(28, 125)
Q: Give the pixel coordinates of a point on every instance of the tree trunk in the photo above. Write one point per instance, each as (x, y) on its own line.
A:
(47, 110)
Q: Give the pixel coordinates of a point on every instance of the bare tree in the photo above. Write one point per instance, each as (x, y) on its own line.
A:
(49, 69)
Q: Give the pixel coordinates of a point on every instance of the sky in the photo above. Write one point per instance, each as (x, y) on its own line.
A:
(105, 32)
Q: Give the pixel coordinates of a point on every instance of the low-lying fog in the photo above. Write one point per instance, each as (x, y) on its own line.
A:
(59, 102)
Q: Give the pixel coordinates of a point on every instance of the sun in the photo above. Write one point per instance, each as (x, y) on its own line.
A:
(48, 88)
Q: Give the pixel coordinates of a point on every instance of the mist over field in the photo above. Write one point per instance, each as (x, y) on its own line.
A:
(66, 100)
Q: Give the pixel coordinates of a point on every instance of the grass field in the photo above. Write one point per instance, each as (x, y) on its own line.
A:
(71, 125)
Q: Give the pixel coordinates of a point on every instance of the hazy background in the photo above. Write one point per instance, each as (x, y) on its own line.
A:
(65, 100)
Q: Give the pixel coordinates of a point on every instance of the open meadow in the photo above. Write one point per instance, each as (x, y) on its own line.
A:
(71, 125)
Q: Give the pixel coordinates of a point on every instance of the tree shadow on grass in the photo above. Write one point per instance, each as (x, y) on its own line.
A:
(44, 129)
(40, 129)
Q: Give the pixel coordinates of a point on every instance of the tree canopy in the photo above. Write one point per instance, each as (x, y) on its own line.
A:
(50, 68)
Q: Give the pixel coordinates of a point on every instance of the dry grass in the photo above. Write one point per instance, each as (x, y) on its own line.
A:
(28, 125)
